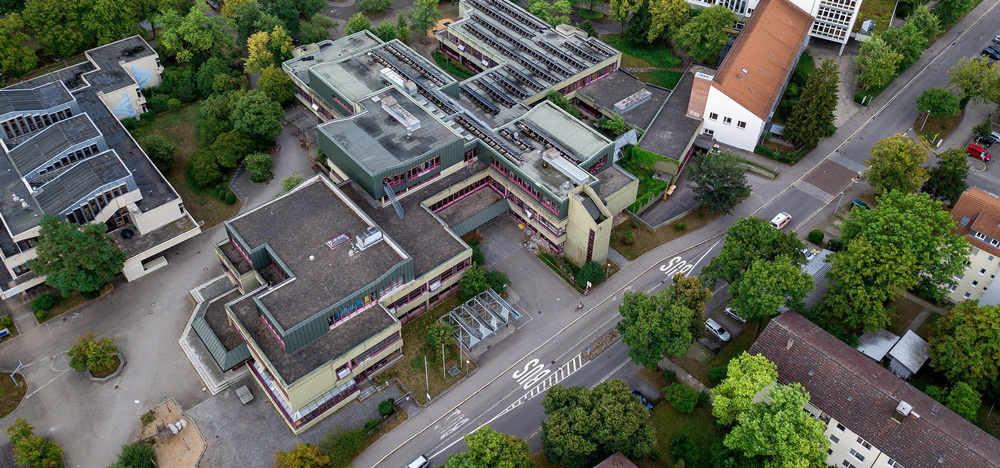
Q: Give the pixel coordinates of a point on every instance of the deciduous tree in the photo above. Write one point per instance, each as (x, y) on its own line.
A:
(57, 26)
(493, 449)
(897, 164)
(939, 102)
(204, 167)
(15, 60)
(259, 167)
(555, 13)
(317, 28)
(268, 49)
(258, 116)
(76, 257)
(473, 282)
(33, 451)
(621, 10)
(813, 115)
(976, 80)
(946, 181)
(373, 6)
(964, 400)
(194, 37)
(110, 20)
(692, 293)
(908, 41)
(720, 182)
(949, 11)
(966, 345)
(667, 16)
(209, 71)
(159, 149)
(704, 36)
(876, 63)
(586, 426)
(926, 22)
(288, 12)
(864, 277)
(746, 375)
(403, 29)
(779, 430)
(276, 84)
(423, 15)
(89, 352)
(748, 240)
(615, 125)
(654, 326)
(767, 286)
(302, 456)
(358, 22)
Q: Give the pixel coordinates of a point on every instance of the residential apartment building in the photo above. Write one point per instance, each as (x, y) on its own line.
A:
(872, 418)
(739, 99)
(67, 154)
(835, 19)
(403, 124)
(977, 218)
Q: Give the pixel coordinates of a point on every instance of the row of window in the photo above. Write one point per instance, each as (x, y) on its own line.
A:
(21, 125)
(88, 211)
(829, 31)
(515, 201)
(589, 78)
(417, 171)
(71, 158)
(374, 350)
(834, 15)
(982, 237)
(438, 205)
(727, 120)
(347, 312)
(393, 285)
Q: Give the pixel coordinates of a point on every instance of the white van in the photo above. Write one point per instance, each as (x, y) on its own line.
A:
(420, 462)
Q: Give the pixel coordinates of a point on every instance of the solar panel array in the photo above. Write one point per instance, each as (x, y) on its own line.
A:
(486, 137)
(533, 133)
(420, 68)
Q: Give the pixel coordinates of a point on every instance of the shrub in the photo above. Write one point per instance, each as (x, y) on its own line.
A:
(681, 397)
(290, 182)
(371, 425)
(321, 157)
(147, 116)
(342, 446)
(717, 374)
(91, 353)
(497, 280)
(130, 124)
(478, 258)
(669, 375)
(230, 198)
(91, 294)
(682, 448)
(159, 149)
(680, 226)
(259, 166)
(628, 238)
(231, 147)
(938, 393)
(633, 224)
(835, 245)
(43, 302)
(703, 398)
(40, 315)
(174, 104)
(6, 322)
(204, 167)
(816, 236)
(385, 407)
(138, 454)
(157, 103)
(591, 272)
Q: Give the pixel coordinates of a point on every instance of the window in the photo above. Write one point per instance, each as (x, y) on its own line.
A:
(727, 120)
(829, 452)
(709, 132)
(840, 427)
(857, 455)
(980, 235)
(847, 464)
(975, 283)
(834, 439)
(894, 464)
(967, 295)
(864, 443)
(982, 271)
(994, 242)
(713, 116)
(952, 288)
(741, 124)
(989, 259)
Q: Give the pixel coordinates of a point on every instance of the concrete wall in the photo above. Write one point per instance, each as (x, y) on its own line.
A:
(731, 134)
(979, 260)
(157, 217)
(618, 201)
(580, 226)
(140, 265)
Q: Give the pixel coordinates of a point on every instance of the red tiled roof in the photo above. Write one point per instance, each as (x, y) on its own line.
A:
(982, 210)
(756, 69)
(863, 395)
(616, 461)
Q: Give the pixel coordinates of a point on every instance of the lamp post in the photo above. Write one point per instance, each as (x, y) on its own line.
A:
(607, 271)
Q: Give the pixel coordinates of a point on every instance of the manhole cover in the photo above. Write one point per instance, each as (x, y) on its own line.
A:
(454, 371)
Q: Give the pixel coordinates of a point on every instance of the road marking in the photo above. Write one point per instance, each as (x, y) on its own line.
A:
(452, 423)
(608, 376)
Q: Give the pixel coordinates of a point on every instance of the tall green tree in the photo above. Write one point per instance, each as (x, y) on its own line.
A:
(358, 22)
(473, 282)
(976, 80)
(909, 41)
(720, 181)
(268, 49)
(276, 84)
(746, 375)
(209, 71)
(30, 450)
(876, 63)
(318, 28)
(554, 13)
(926, 22)
(704, 36)
(813, 115)
(111, 20)
(57, 26)
(302, 456)
(864, 277)
(897, 164)
(74, 257)
(16, 60)
(767, 286)
(667, 17)
(493, 449)
(946, 181)
(780, 431)
(288, 12)
(748, 240)
(160, 150)
(586, 426)
(949, 11)
(242, 16)
(621, 10)
(964, 400)
(194, 37)
(423, 15)
(939, 102)
(692, 293)
(654, 326)
(965, 347)
(258, 116)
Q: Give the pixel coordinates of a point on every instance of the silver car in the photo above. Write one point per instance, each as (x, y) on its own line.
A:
(733, 315)
(717, 330)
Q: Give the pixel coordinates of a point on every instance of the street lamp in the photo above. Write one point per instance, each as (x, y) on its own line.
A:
(607, 271)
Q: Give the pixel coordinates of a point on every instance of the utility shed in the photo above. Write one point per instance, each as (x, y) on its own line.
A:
(909, 355)
(876, 345)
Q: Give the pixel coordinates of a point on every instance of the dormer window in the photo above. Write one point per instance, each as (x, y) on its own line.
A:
(980, 236)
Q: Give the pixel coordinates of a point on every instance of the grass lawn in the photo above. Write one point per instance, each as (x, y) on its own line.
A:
(663, 78)
(698, 425)
(928, 327)
(937, 128)
(181, 128)
(654, 55)
(589, 14)
(410, 369)
(10, 394)
(647, 240)
(727, 353)
(906, 311)
(68, 303)
(878, 10)
(454, 69)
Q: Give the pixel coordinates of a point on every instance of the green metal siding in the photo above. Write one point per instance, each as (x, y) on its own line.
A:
(326, 93)
(225, 359)
(486, 153)
(451, 89)
(481, 218)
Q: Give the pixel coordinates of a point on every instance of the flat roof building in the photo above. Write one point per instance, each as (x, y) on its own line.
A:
(67, 154)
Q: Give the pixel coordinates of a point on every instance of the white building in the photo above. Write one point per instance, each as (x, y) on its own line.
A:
(873, 418)
(977, 218)
(739, 100)
(834, 18)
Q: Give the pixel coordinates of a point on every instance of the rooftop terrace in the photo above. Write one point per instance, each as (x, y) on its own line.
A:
(619, 86)
(297, 227)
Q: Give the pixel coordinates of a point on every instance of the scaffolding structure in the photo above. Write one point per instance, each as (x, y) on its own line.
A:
(479, 318)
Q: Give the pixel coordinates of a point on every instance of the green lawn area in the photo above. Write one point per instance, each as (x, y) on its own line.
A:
(10, 394)
(906, 311)
(181, 128)
(648, 240)
(663, 78)
(454, 69)
(410, 369)
(698, 425)
(655, 55)
(68, 303)
(937, 128)
(878, 10)
(928, 327)
(589, 14)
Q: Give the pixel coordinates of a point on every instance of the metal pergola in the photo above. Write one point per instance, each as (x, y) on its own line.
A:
(478, 318)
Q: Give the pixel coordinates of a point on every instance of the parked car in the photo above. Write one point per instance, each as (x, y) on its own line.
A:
(996, 40)
(860, 204)
(642, 398)
(985, 142)
(781, 220)
(977, 151)
(420, 462)
(992, 52)
(733, 315)
(809, 253)
(717, 330)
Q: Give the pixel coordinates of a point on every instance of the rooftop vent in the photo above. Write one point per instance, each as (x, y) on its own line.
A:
(553, 158)
(632, 100)
(393, 108)
(368, 238)
(404, 85)
(744, 70)
(789, 345)
(903, 408)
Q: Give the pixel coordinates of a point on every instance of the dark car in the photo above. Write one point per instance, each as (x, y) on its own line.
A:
(992, 52)
(985, 142)
(642, 398)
